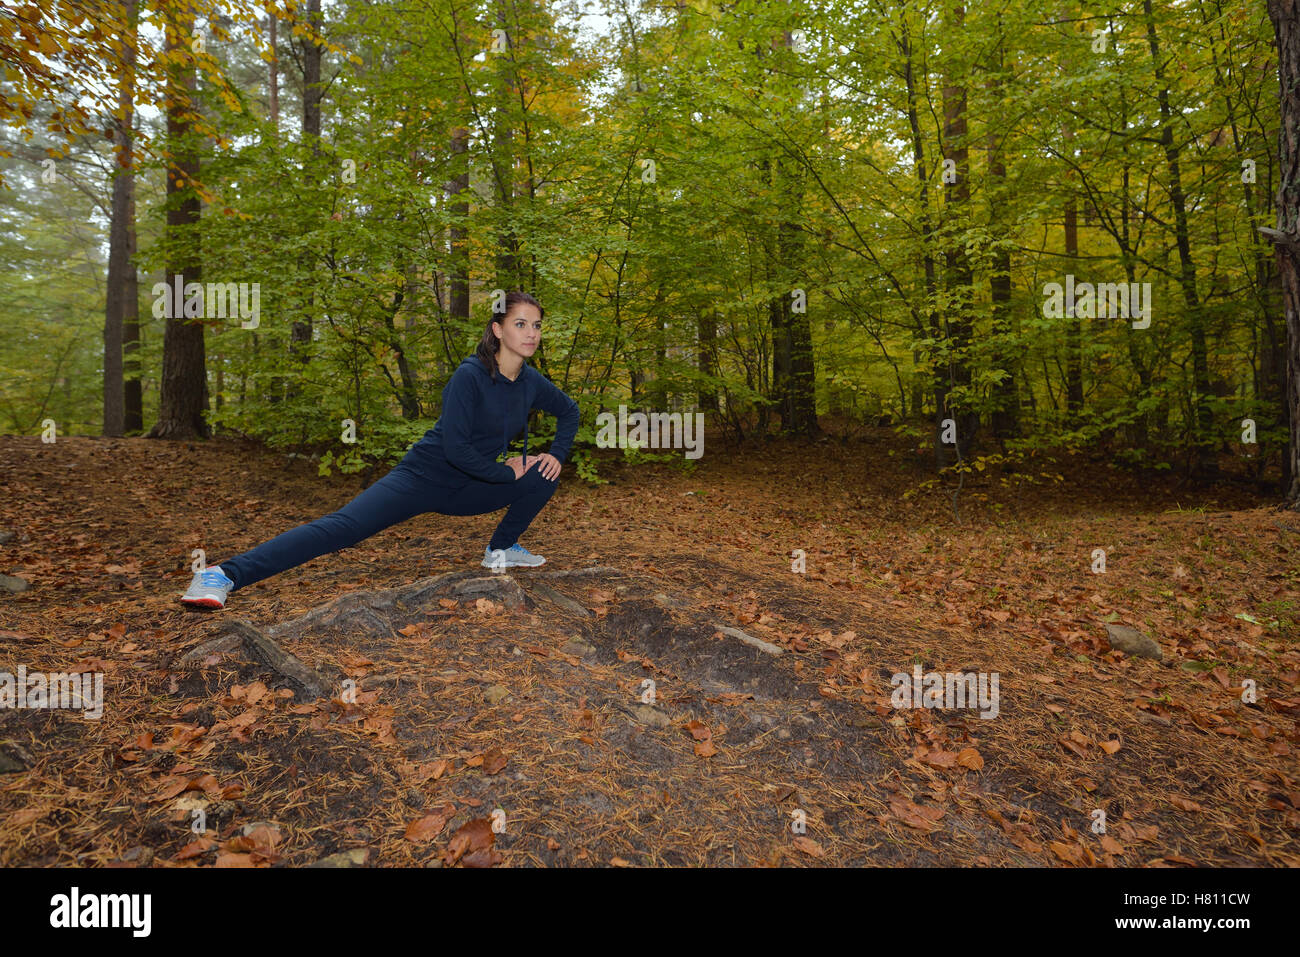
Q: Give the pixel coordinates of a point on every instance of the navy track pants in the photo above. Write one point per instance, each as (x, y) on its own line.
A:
(401, 494)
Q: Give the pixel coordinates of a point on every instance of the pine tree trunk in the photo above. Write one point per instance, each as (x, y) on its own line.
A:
(121, 292)
(183, 398)
(1285, 15)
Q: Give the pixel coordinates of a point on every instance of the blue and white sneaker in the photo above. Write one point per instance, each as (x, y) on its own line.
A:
(208, 589)
(514, 556)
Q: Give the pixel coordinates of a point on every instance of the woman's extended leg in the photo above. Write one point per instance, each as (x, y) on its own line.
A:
(397, 496)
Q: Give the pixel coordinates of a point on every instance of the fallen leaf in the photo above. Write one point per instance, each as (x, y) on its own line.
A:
(970, 758)
(940, 759)
(1070, 853)
(195, 848)
(229, 859)
(915, 815)
(27, 815)
(429, 826)
(809, 846)
(698, 730)
(493, 761)
(1185, 804)
(1110, 747)
(475, 835)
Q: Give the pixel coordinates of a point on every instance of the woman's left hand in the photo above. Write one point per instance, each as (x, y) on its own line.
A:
(546, 463)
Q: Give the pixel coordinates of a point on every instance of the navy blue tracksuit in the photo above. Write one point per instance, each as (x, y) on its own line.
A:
(452, 471)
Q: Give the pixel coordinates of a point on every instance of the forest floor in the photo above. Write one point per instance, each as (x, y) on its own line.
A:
(600, 717)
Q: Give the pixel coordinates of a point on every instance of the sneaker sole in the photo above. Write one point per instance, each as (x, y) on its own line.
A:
(487, 564)
(203, 602)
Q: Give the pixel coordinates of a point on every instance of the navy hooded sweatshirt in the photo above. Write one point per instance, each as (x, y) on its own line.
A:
(480, 416)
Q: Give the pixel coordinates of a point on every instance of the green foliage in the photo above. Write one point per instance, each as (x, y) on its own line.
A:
(768, 178)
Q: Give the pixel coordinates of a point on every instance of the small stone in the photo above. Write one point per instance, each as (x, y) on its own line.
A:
(783, 734)
(577, 648)
(13, 758)
(353, 858)
(274, 828)
(1132, 642)
(496, 694)
(651, 716)
(12, 585)
(139, 855)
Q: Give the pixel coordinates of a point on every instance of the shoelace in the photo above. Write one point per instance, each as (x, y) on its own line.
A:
(213, 579)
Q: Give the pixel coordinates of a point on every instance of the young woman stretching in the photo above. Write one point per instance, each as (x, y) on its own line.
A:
(451, 470)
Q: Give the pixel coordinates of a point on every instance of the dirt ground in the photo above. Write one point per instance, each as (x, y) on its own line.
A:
(592, 712)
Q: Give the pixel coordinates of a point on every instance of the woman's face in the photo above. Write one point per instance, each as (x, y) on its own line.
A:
(521, 330)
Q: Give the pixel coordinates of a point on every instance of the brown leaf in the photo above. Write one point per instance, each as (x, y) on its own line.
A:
(698, 730)
(1070, 745)
(1185, 804)
(493, 761)
(27, 815)
(475, 835)
(705, 749)
(940, 759)
(915, 815)
(1110, 747)
(263, 839)
(230, 859)
(481, 858)
(429, 826)
(1070, 853)
(809, 846)
(423, 771)
(169, 787)
(195, 848)
(970, 758)
(1110, 845)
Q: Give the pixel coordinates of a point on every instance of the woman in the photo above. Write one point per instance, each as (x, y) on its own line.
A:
(452, 470)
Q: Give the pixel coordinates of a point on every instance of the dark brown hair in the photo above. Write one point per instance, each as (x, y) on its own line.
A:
(489, 344)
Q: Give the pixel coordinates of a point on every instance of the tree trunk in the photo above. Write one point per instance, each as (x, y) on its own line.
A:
(121, 293)
(1285, 15)
(183, 398)
(1005, 419)
(273, 78)
(1073, 321)
(300, 334)
(708, 334)
(1203, 426)
(958, 273)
